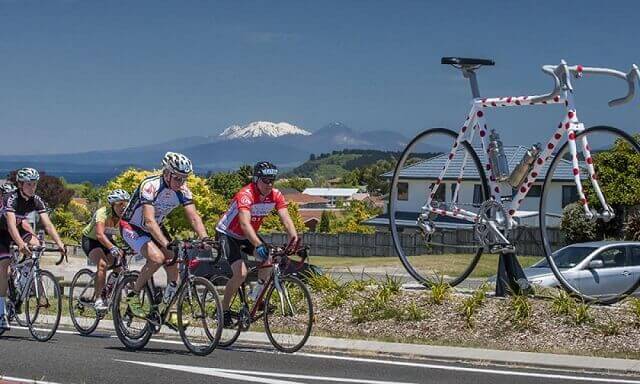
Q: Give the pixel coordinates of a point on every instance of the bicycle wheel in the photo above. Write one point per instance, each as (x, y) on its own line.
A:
(200, 316)
(43, 306)
(450, 248)
(567, 231)
(81, 302)
(229, 335)
(132, 331)
(288, 314)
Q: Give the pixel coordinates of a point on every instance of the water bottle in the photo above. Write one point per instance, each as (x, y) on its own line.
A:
(256, 289)
(111, 282)
(524, 167)
(497, 158)
(169, 291)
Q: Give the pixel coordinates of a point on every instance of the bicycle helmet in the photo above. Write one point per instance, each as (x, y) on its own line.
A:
(118, 195)
(177, 162)
(264, 169)
(27, 174)
(7, 188)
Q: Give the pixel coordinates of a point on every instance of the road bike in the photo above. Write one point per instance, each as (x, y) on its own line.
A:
(283, 303)
(82, 294)
(479, 194)
(34, 291)
(198, 307)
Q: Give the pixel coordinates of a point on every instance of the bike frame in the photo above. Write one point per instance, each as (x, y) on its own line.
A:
(476, 124)
(34, 270)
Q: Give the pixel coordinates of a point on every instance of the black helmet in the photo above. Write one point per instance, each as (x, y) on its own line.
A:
(264, 169)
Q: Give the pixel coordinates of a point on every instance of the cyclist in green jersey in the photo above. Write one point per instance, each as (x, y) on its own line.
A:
(97, 240)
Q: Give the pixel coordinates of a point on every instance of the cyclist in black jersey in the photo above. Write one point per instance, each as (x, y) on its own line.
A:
(16, 206)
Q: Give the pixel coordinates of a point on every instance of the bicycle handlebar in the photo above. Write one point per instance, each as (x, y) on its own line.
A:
(560, 74)
(175, 245)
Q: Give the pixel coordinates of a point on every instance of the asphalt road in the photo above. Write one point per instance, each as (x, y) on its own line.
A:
(71, 358)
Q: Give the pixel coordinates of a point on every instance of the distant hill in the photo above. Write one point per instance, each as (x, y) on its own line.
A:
(338, 163)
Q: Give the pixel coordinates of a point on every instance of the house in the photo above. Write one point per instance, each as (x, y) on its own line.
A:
(334, 195)
(303, 200)
(416, 179)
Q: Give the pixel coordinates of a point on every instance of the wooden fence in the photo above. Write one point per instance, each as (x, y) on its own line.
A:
(380, 243)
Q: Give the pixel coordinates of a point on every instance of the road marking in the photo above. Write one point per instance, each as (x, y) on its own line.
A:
(468, 369)
(252, 375)
(21, 380)
(419, 365)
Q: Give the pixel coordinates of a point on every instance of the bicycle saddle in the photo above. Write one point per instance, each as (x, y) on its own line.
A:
(466, 61)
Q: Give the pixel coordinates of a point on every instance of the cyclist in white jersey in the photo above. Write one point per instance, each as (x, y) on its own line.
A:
(141, 224)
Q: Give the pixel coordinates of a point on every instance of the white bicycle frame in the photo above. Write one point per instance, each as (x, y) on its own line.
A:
(475, 124)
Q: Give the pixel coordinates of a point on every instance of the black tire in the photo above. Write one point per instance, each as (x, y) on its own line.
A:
(84, 316)
(279, 319)
(228, 336)
(137, 337)
(430, 272)
(43, 311)
(546, 236)
(199, 301)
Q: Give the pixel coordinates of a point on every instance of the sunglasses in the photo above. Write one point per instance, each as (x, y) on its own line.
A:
(180, 179)
(268, 180)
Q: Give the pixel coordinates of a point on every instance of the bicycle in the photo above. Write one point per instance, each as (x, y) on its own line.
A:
(36, 291)
(284, 303)
(487, 202)
(199, 310)
(82, 294)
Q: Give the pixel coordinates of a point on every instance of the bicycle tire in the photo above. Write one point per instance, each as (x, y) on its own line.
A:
(210, 292)
(131, 342)
(269, 322)
(34, 328)
(228, 336)
(394, 225)
(75, 307)
(563, 282)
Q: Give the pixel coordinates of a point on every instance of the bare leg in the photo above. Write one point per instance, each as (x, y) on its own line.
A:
(239, 275)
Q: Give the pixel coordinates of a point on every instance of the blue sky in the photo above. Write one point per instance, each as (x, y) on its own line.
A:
(83, 75)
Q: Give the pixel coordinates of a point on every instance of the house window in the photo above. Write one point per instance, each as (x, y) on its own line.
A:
(569, 195)
(477, 195)
(453, 191)
(441, 192)
(403, 191)
(535, 191)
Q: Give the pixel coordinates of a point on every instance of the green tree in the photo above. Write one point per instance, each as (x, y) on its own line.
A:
(272, 223)
(297, 183)
(246, 173)
(354, 215)
(68, 227)
(325, 221)
(226, 184)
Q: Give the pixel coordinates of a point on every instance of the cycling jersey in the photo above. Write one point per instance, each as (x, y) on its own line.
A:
(21, 207)
(154, 191)
(103, 215)
(249, 198)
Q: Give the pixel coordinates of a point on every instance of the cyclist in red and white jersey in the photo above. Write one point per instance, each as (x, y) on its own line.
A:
(141, 224)
(237, 229)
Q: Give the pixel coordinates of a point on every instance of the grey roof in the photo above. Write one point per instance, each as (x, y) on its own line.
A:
(431, 168)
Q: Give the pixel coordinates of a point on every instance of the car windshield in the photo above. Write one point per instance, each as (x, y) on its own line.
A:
(567, 257)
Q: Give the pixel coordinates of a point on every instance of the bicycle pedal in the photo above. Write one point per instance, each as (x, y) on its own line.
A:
(503, 248)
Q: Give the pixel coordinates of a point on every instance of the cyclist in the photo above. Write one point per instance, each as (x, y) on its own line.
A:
(16, 206)
(237, 229)
(97, 240)
(6, 189)
(141, 224)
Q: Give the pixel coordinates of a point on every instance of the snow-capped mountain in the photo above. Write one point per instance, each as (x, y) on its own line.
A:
(259, 129)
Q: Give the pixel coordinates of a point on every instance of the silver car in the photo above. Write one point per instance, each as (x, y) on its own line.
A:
(596, 268)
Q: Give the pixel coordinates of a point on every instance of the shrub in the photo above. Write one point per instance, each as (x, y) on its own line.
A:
(520, 308)
(440, 291)
(575, 226)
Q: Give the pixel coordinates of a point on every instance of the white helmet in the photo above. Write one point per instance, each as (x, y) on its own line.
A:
(177, 162)
(27, 174)
(7, 188)
(118, 195)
